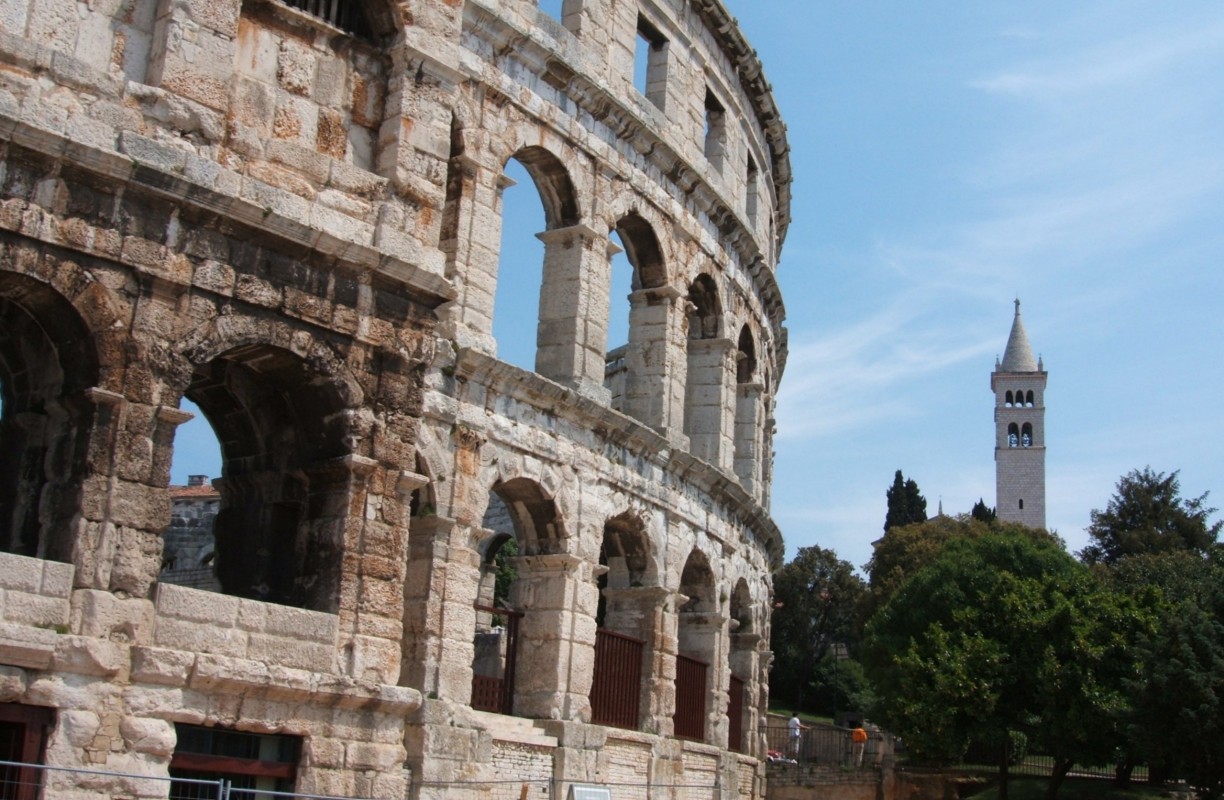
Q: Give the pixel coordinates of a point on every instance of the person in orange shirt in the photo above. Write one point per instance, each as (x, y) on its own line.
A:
(858, 744)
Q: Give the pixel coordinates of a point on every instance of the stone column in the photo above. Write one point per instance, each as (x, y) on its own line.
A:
(439, 609)
(556, 648)
(654, 387)
(471, 241)
(709, 400)
(748, 436)
(571, 343)
(745, 664)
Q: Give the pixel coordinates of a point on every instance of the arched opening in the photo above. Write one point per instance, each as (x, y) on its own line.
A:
(743, 657)
(516, 645)
(46, 365)
(624, 624)
(748, 412)
(535, 262)
(1026, 435)
(636, 369)
(280, 426)
(188, 543)
(697, 641)
(1007, 399)
(706, 388)
(1028, 398)
(1013, 435)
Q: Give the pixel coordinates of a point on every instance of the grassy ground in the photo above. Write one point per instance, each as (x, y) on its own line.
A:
(1073, 789)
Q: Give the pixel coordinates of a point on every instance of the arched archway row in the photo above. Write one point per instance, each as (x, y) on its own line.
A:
(652, 377)
(597, 557)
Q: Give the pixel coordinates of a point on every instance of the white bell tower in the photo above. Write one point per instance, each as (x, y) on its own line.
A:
(1018, 383)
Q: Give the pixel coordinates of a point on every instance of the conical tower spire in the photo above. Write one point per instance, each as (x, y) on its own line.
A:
(1019, 355)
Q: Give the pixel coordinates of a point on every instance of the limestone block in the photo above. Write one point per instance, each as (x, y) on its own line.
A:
(161, 666)
(55, 25)
(295, 67)
(84, 655)
(23, 646)
(291, 652)
(21, 573)
(104, 615)
(322, 752)
(13, 684)
(200, 637)
(78, 727)
(13, 15)
(184, 603)
(153, 737)
(32, 609)
(160, 702)
(313, 626)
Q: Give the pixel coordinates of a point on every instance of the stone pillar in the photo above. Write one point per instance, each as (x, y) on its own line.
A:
(571, 343)
(439, 614)
(471, 241)
(709, 400)
(745, 664)
(654, 388)
(638, 611)
(748, 436)
(193, 49)
(556, 649)
(700, 636)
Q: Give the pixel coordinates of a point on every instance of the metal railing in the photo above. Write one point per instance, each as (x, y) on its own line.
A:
(617, 681)
(826, 745)
(26, 780)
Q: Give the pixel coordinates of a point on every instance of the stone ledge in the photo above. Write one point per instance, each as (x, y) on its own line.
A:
(151, 166)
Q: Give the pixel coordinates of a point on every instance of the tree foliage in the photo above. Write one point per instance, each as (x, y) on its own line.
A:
(819, 596)
(1148, 515)
(906, 505)
(1000, 632)
(983, 512)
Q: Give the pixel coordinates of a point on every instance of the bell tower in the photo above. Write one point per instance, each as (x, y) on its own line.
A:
(1018, 383)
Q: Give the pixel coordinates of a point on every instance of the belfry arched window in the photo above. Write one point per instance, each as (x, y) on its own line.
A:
(1013, 435)
(1028, 398)
(1007, 399)
(1026, 435)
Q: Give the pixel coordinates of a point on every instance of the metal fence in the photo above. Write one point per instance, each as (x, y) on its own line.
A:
(22, 781)
(826, 745)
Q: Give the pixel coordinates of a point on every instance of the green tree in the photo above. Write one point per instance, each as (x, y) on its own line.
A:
(1147, 515)
(819, 596)
(999, 633)
(983, 512)
(906, 504)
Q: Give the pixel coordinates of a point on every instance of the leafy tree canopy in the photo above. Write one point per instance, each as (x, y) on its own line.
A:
(906, 504)
(1147, 514)
(983, 512)
(820, 597)
(999, 632)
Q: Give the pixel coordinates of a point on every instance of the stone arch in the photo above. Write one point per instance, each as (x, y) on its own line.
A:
(697, 636)
(745, 357)
(749, 413)
(285, 427)
(1013, 435)
(552, 181)
(47, 416)
(705, 313)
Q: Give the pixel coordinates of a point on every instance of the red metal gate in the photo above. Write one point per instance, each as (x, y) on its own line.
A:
(689, 720)
(617, 683)
(496, 692)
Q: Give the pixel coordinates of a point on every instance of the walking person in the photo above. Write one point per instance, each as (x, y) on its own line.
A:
(858, 744)
(796, 729)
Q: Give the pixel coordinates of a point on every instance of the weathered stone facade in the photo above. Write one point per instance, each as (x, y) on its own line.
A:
(292, 218)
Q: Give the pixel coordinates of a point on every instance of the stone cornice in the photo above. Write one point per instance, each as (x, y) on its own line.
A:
(145, 165)
(623, 431)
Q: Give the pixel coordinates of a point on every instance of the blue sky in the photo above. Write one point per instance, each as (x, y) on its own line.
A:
(949, 157)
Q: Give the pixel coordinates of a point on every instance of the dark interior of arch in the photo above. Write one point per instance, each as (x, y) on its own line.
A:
(278, 424)
(534, 516)
(703, 322)
(372, 21)
(643, 251)
(553, 182)
(745, 366)
(697, 583)
(44, 416)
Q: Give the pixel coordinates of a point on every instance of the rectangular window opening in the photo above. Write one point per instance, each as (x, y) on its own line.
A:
(752, 181)
(23, 738)
(650, 62)
(715, 130)
(255, 763)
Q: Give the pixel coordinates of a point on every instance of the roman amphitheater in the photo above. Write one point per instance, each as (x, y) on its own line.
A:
(433, 574)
